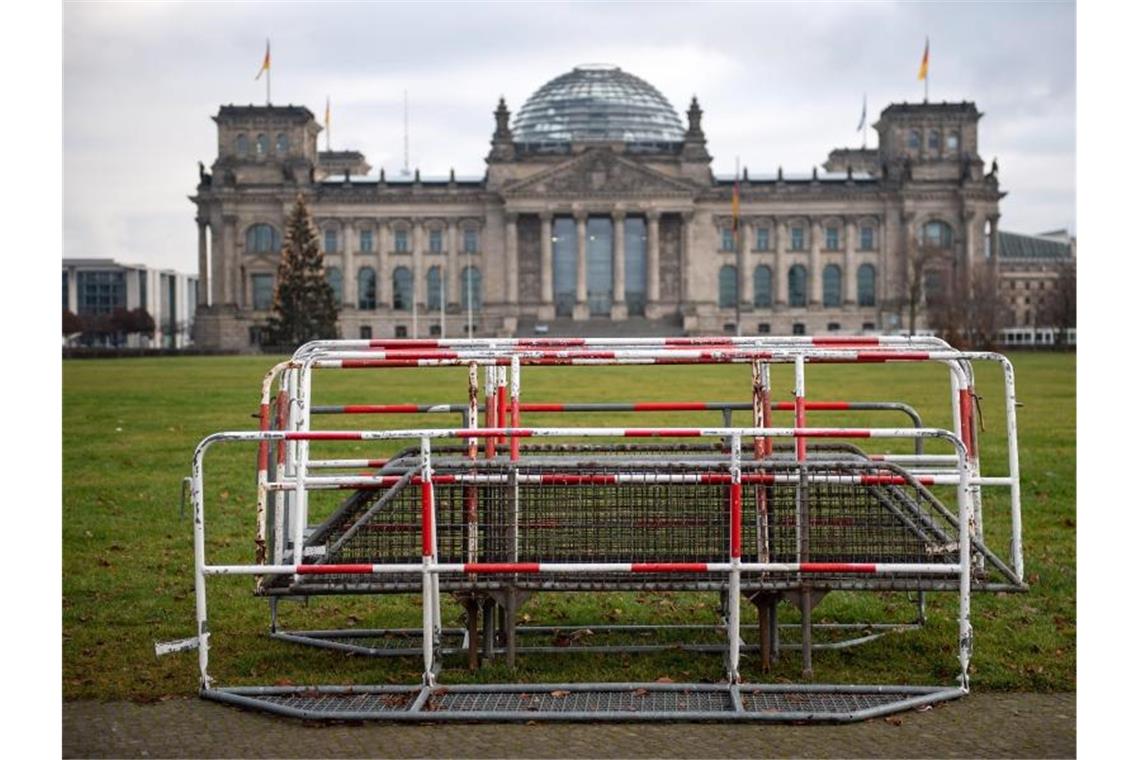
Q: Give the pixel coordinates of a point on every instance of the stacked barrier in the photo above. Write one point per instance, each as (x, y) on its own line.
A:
(496, 512)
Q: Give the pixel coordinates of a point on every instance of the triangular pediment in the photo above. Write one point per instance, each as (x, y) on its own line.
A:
(600, 172)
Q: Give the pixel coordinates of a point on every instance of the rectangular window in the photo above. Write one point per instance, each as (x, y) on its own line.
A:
(763, 328)
(262, 285)
(142, 289)
(330, 241)
(401, 331)
(730, 328)
(833, 327)
(401, 241)
(797, 238)
(866, 238)
(366, 332)
(832, 238)
(798, 329)
(66, 294)
(727, 239)
(101, 292)
(435, 241)
(762, 239)
(434, 331)
(470, 241)
(868, 326)
(366, 241)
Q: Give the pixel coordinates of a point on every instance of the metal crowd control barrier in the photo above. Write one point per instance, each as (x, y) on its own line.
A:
(498, 512)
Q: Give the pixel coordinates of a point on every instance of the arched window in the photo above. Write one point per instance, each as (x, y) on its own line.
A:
(934, 140)
(937, 234)
(436, 287)
(471, 288)
(952, 142)
(726, 294)
(262, 238)
(402, 294)
(831, 285)
(914, 140)
(242, 145)
(366, 288)
(336, 281)
(330, 240)
(282, 143)
(762, 286)
(262, 145)
(932, 286)
(865, 279)
(797, 286)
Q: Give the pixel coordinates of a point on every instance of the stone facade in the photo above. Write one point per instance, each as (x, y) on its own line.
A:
(581, 235)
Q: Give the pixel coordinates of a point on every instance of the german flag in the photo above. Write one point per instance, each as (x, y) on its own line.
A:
(925, 61)
(264, 64)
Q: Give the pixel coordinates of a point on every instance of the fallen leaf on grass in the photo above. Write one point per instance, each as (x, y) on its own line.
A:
(664, 679)
(560, 693)
(894, 721)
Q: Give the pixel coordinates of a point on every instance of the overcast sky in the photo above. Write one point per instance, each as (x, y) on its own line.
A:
(780, 84)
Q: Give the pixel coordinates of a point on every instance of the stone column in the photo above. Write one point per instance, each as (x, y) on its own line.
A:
(512, 258)
(348, 256)
(229, 243)
(653, 256)
(203, 265)
(619, 309)
(747, 237)
(217, 265)
(815, 271)
(581, 307)
(384, 238)
(968, 252)
(687, 252)
(419, 276)
(849, 281)
(780, 274)
(547, 263)
(452, 262)
(73, 293)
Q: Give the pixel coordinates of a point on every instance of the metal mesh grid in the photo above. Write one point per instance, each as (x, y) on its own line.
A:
(594, 701)
(809, 520)
(320, 702)
(815, 702)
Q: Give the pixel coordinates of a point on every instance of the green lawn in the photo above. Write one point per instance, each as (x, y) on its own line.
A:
(130, 427)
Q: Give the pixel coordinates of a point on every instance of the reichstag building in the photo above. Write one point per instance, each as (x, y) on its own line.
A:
(598, 214)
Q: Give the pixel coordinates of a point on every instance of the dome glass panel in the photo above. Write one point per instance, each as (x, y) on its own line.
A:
(597, 103)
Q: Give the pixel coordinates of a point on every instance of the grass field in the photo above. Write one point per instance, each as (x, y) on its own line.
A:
(130, 427)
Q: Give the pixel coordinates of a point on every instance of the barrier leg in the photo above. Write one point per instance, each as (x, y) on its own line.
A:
(488, 629)
(471, 611)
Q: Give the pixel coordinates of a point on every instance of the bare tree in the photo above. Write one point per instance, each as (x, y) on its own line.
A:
(921, 259)
(1060, 308)
(969, 317)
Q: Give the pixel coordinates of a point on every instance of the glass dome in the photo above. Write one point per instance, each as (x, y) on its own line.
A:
(597, 102)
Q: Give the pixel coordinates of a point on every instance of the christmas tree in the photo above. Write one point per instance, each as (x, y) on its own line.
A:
(304, 306)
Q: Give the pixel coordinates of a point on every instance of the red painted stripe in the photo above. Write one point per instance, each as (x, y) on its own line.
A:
(891, 356)
(716, 478)
(501, 567)
(282, 417)
(662, 433)
(515, 424)
(883, 480)
(263, 446)
(501, 405)
(669, 567)
(380, 408)
(836, 567)
(377, 462)
(966, 413)
(324, 435)
(735, 520)
(426, 516)
(557, 479)
(334, 570)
